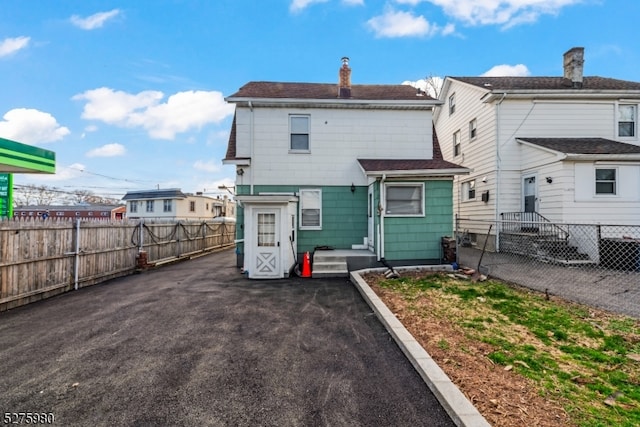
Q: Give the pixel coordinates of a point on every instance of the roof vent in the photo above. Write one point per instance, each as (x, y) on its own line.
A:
(573, 67)
(344, 85)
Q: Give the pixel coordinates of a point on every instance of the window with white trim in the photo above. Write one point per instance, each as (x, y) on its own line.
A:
(469, 190)
(473, 129)
(627, 117)
(452, 104)
(606, 181)
(133, 206)
(404, 199)
(310, 209)
(167, 205)
(150, 205)
(456, 143)
(299, 132)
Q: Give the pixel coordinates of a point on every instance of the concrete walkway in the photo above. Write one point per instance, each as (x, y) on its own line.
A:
(196, 343)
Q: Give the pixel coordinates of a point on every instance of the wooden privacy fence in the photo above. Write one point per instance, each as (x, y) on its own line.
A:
(39, 259)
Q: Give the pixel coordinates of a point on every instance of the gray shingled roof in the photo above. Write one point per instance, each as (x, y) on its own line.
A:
(276, 90)
(584, 145)
(548, 83)
(379, 165)
(171, 193)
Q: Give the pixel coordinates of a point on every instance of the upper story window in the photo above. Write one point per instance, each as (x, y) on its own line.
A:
(456, 143)
(606, 181)
(473, 128)
(310, 209)
(299, 129)
(404, 199)
(192, 206)
(133, 206)
(452, 104)
(166, 205)
(150, 205)
(469, 190)
(627, 117)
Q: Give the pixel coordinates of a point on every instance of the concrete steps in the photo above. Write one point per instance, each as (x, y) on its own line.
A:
(328, 264)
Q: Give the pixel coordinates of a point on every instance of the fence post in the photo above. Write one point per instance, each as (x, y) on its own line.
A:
(203, 246)
(76, 262)
(141, 235)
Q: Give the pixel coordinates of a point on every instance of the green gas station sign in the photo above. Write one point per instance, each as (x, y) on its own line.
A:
(6, 195)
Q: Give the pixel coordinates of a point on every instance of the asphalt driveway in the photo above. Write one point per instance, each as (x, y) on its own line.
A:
(195, 343)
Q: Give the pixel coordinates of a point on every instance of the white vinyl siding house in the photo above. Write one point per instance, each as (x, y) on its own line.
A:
(568, 151)
(175, 205)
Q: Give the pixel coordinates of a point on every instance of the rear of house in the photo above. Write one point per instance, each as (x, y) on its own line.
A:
(337, 166)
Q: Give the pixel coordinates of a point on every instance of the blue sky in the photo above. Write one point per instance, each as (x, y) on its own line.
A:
(130, 94)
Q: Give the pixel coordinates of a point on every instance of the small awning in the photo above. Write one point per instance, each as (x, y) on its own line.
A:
(413, 168)
(21, 158)
(267, 199)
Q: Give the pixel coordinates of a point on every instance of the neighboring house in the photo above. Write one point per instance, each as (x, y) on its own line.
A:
(563, 149)
(338, 166)
(172, 203)
(106, 212)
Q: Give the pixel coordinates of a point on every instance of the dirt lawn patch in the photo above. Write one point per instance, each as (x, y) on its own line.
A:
(446, 324)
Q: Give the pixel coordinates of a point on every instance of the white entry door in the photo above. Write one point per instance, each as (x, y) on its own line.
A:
(530, 191)
(266, 262)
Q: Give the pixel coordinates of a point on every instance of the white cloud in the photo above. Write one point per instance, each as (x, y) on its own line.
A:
(108, 150)
(12, 45)
(31, 126)
(94, 21)
(298, 5)
(500, 12)
(183, 111)
(210, 166)
(431, 87)
(505, 70)
(401, 24)
(115, 107)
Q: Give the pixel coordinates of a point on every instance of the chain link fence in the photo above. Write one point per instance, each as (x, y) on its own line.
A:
(593, 264)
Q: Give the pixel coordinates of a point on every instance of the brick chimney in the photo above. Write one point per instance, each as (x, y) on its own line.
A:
(344, 85)
(573, 67)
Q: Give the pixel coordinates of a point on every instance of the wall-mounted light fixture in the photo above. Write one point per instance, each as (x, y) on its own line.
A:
(549, 179)
(353, 188)
(240, 171)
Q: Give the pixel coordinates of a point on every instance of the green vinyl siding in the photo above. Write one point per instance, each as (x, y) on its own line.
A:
(344, 216)
(409, 238)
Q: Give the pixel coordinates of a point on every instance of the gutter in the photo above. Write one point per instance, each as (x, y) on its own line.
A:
(382, 212)
(341, 102)
(251, 139)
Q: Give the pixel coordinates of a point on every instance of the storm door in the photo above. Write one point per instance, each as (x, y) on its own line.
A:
(267, 254)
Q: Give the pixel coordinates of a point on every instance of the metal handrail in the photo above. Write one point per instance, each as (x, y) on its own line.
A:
(531, 222)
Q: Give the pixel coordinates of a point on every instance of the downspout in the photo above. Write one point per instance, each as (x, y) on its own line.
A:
(382, 211)
(251, 138)
(498, 160)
